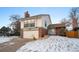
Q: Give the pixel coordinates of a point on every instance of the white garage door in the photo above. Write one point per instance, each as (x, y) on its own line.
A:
(30, 34)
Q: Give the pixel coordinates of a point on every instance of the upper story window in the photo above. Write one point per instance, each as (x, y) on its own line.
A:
(45, 24)
(29, 25)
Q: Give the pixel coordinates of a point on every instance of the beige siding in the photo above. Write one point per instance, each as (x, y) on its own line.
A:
(22, 25)
(30, 34)
(38, 22)
(47, 20)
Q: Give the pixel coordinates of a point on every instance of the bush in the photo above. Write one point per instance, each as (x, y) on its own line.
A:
(34, 38)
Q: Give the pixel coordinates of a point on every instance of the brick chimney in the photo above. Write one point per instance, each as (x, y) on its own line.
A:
(26, 14)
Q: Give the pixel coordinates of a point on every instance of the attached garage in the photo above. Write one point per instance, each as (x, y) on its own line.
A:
(33, 33)
(30, 34)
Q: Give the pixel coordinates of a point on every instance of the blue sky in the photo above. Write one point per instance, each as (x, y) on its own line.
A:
(56, 13)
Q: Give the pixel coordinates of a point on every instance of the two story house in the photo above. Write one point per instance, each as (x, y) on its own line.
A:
(34, 26)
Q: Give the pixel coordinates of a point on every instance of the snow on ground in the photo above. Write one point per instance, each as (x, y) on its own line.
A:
(52, 44)
(6, 39)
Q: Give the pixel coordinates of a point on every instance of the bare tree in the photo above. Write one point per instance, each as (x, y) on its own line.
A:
(74, 15)
(74, 12)
(15, 23)
(63, 21)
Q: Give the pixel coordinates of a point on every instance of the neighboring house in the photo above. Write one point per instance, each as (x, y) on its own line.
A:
(73, 27)
(34, 26)
(56, 29)
(72, 24)
(69, 25)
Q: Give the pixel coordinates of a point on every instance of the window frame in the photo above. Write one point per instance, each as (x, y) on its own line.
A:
(26, 25)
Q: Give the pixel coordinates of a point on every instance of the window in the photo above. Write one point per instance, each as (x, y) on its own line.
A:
(25, 25)
(32, 25)
(29, 25)
(45, 24)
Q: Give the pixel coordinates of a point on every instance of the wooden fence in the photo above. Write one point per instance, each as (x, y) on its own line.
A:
(73, 34)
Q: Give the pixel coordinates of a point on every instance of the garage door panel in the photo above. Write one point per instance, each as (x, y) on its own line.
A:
(30, 34)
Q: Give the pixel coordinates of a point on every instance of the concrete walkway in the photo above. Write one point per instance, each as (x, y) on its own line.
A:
(13, 45)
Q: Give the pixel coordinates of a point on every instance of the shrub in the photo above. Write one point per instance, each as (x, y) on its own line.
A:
(34, 38)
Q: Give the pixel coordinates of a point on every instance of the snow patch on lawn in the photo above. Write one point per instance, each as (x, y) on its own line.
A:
(52, 44)
(6, 39)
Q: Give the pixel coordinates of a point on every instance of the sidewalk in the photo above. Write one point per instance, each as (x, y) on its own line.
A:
(13, 45)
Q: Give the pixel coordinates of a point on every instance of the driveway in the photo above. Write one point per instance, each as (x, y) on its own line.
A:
(13, 45)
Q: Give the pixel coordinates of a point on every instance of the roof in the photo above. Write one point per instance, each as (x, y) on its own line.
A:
(34, 17)
(51, 26)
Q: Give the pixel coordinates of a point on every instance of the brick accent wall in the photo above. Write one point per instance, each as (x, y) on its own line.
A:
(58, 31)
(42, 32)
(21, 33)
